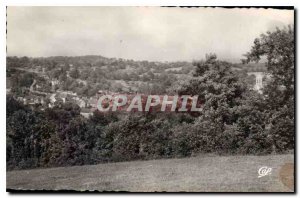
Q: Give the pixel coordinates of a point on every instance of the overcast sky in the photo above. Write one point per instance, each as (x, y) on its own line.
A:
(139, 33)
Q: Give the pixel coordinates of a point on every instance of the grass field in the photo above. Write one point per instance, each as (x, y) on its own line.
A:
(202, 173)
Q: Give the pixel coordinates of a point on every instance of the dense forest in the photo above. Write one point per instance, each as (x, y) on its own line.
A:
(234, 120)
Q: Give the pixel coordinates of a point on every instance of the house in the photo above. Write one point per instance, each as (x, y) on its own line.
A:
(58, 101)
(85, 112)
(29, 100)
(52, 98)
(62, 95)
(81, 103)
(22, 100)
(54, 82)
(81, 82)
(92, 102)
(37, 86)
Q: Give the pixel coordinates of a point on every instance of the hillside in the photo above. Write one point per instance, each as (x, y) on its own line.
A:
(85, 75)
(212, 174)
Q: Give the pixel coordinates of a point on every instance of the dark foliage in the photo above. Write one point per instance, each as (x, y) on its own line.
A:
(234, 120)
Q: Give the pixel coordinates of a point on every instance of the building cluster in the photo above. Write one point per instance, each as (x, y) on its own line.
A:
(48, 100)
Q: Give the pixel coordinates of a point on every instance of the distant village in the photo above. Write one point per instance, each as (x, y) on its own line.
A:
(36, 96)
(43, 100)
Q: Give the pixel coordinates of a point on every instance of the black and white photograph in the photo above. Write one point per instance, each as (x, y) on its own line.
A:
(150, 99)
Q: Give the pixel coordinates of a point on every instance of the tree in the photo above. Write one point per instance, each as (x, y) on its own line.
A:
(278, 48)
(150, 75)
(26, 80)
(220, 91)
(74, 73)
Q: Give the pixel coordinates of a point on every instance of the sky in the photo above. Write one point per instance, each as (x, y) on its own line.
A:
(139, 33)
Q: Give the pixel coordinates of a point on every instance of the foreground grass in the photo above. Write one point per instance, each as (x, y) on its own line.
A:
(204, 174)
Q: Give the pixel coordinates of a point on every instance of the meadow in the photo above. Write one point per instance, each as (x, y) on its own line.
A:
(201, 173)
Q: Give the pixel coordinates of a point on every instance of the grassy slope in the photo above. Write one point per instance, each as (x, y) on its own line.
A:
(230, 173)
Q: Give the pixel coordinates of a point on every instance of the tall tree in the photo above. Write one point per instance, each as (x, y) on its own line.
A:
(278, 49)
(220, 92)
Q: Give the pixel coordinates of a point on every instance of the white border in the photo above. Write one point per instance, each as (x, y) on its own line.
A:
(151, 2)
(5, 3)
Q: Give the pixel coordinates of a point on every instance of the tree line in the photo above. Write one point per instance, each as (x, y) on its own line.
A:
(234, 120)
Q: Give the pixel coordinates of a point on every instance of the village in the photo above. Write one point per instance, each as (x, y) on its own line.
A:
(37, 97)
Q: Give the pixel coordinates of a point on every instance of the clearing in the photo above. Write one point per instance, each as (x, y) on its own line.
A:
(200, 174)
